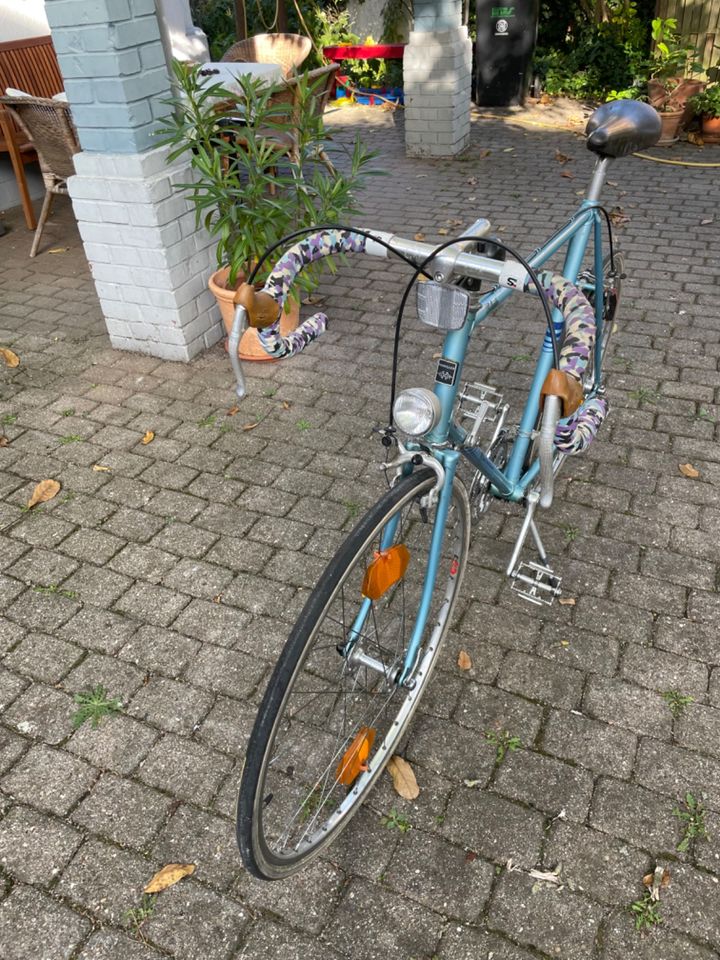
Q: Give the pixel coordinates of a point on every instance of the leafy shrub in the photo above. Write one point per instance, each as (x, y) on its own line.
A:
(589, 59)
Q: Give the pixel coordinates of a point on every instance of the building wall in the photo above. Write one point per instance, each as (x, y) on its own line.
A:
(22, 18)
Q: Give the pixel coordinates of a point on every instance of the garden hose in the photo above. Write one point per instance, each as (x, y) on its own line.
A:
(675, 163)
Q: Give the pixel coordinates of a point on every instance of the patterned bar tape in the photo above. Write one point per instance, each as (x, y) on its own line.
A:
(322, 244)
(578, 431)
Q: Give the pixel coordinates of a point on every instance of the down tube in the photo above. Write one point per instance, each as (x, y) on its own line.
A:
(449, 460)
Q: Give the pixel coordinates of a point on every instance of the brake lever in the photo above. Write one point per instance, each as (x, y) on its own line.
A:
(238, 328)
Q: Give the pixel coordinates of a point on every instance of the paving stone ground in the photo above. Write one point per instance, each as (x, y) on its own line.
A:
(172, 577)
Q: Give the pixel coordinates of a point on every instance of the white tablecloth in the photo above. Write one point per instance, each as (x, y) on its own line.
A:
(227, 73)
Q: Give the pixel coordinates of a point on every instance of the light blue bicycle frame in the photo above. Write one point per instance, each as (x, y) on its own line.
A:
(511, 483)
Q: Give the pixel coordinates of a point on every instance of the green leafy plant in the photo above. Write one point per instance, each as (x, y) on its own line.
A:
(588, 50)
(93, 705)
(68, 412)
(303, 425)
(71, 438)
(396, 821)
(54, 589)
(704, 414)
(8, 419)
(571, 533)
(136, 916)
(707, 103)
(251, 195)
(208, 421)
(691, 814)
(646, 912)
(671, 60)
(677, 702)
(503, 742)
(644, 395)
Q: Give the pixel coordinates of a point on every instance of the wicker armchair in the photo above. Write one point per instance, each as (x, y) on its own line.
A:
(287, 49)
(48, 124)
(286, 93)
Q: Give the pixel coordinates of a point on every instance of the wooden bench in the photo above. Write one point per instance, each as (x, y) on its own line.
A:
(29, 65)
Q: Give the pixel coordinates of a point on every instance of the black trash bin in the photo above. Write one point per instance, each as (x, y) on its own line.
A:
(503, 52)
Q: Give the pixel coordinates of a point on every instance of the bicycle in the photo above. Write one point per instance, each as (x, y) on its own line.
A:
(363, 649)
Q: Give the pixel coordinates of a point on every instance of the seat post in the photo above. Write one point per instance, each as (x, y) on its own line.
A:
(598, 179)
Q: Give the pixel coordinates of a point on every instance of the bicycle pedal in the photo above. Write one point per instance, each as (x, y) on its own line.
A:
(536, 583)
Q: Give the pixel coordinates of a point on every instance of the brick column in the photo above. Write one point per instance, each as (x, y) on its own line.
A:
(437, 71)
(149, 263)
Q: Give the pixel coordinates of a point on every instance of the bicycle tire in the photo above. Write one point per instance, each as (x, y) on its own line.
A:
(263, 776)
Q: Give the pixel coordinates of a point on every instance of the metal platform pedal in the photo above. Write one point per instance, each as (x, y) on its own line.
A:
(481, 404)
(536, 583)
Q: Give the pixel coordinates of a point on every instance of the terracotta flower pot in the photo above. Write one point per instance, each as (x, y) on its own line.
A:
(670, 121)
(710, 129)
(658, 95)
(250, 347)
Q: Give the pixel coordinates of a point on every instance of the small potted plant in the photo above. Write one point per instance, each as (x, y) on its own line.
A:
(707, 105)
(668, 89)
(245, 188)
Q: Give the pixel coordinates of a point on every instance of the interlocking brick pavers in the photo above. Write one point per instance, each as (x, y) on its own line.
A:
(172, 579)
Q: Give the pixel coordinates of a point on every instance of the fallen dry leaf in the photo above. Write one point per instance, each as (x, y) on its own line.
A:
(148, 438)
(508, 149)
(251, 426)
(568, 174)
(232, 411)
(443, 231)
(4, 441)
(688, 470)
(44, 491)
(169, 876)
(419, 237)
(99, 468)
(485, 153)
(403, 778)
(696, 139)
(659, 879)
(618, 216)
(567, 601)
(59, 250)
(470, 856)
(562, 157)
(472, 181)
(10, 358)
(286, 404)
(464, 661)
(471, 783)
(704, 223)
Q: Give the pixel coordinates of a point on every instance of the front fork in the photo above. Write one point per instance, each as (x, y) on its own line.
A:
(444, 463)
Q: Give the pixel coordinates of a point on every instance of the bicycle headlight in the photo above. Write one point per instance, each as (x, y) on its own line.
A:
(416, 411)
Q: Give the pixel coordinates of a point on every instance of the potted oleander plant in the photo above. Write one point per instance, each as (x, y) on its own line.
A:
(707, 106)
(245, 189)
(669, 86)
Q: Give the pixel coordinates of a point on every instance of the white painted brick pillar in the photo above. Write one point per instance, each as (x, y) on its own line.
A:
(437, 74)
(149, 262)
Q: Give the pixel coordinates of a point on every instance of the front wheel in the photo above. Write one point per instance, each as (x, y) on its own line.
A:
(334, 711)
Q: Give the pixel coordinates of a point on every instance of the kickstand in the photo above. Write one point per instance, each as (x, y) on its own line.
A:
(535, 582)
